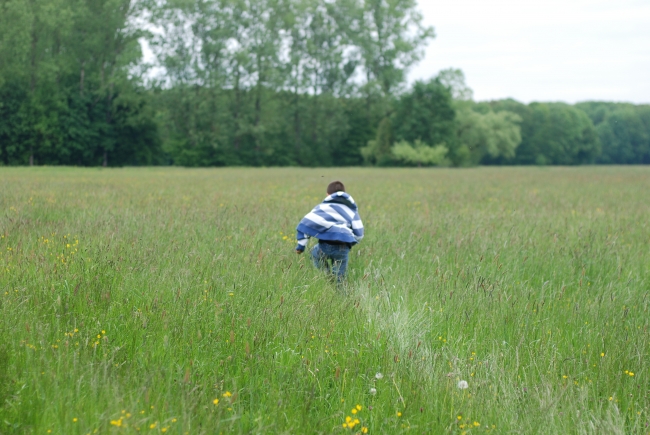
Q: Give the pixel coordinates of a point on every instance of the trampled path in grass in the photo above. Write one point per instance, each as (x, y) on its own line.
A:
(166, 300)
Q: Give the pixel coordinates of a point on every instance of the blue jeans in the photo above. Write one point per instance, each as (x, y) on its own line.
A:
(323, 253)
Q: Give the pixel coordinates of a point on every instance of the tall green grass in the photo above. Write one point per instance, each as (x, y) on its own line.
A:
(171, 301)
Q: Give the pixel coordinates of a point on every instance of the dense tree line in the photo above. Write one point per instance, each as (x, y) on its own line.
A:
(68, 94)
(623, 130)
(268, 82)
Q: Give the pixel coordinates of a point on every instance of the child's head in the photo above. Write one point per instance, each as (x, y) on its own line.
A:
(335, 186)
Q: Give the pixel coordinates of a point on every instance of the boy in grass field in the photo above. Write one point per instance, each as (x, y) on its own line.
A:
(336, 224)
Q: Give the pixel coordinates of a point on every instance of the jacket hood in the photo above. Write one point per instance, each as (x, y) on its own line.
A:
(341, 198)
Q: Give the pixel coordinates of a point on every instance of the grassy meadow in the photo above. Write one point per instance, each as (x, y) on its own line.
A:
(171, 301)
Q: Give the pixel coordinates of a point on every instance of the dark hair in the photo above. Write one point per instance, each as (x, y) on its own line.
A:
(335, 186)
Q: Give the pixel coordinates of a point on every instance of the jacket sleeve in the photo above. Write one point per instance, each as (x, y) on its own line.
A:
(302, 240)
(357, 227)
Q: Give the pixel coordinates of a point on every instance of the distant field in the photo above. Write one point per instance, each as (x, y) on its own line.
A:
(171, 301)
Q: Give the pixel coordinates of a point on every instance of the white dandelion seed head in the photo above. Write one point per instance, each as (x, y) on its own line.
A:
(378, 375)
(463, 385)
(373, 391)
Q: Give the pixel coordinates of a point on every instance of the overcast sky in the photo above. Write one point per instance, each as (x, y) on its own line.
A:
(551, 50)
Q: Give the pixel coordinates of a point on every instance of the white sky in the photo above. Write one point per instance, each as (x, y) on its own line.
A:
(551, 50)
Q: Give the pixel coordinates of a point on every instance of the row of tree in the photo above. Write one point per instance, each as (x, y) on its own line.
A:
(69, 91)
(507, 132)
(267, 82)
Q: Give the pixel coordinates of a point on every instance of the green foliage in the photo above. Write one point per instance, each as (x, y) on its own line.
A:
(6, 384)
(454, 80)
(308, 130)
(623, 129)
(378, 151)
(487, 136)
(552, 133)
(562, 135)
(389, 36)
(68, 88)
(250, 103)
(70, 129)
(425, 113)
(361, 124)
(419, 154)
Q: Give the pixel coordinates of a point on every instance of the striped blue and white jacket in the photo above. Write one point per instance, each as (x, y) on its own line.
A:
(336, 219)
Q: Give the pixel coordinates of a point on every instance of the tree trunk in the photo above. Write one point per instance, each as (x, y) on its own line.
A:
(314, 123)
(57, 52)
(81, 78)
(109, 117)
(237, 108)
(296, 126)
(258, 99)
(32, 81)
(258, 105)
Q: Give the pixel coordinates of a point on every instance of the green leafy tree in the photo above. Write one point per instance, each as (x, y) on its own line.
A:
(419, 154)
(389, 35)
(561, 135)
(624, 138)
(63, 66)
(487, 136)
(361, 129)
(426, 113)
(454, 80)
(378, 151)
(551, 133)
(623, 130)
